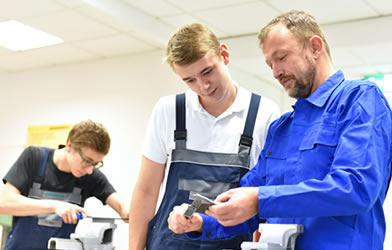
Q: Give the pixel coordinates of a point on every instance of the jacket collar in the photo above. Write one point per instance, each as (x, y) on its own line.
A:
(320, 96)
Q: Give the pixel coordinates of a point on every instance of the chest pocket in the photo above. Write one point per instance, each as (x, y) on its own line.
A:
(275, 154)
(317, 150)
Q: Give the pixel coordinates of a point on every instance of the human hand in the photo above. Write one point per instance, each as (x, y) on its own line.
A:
(236, 206)
(180, 224)
(68, 212)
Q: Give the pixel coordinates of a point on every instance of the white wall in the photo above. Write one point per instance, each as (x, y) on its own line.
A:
(119, 92)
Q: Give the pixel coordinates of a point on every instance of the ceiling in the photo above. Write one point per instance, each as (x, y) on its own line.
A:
(358, 31)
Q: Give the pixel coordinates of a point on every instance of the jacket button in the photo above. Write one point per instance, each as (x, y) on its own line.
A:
(208, 234)
(269, 153)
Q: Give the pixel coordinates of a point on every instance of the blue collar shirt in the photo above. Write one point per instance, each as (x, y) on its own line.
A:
(325, 165)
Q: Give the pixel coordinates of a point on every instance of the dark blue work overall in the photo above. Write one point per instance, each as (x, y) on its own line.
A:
(34, 232)
(199, 172)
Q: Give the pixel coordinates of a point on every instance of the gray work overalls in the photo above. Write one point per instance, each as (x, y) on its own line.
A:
(199, 172)
(33, 232)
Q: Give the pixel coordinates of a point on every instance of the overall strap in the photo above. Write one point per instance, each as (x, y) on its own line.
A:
(246, 137)
(37, 192)
(42, 164)
(180, 132)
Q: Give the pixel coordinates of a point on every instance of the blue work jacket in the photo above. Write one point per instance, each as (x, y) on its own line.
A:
(327, 166)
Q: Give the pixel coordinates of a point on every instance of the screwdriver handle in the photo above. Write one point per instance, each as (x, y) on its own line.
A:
(79, 216)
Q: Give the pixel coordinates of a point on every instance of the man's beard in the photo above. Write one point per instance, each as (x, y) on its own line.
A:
(303, 87)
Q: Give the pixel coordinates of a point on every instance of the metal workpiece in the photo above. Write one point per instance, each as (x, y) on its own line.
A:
(89, 235)
(200, 204)
(275, 237)
(192, 208)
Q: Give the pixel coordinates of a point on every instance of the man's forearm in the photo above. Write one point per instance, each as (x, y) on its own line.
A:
(141, 212)
(137, 235)
(118, 204)
(23, 206)
(13, 203)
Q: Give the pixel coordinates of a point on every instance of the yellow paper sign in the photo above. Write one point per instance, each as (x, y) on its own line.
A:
(50, 136)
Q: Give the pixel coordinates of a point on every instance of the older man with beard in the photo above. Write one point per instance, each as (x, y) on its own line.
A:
(325, 165)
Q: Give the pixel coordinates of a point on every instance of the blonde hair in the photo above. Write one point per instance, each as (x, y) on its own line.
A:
(302, 25)
(90, 134)
(190, 43)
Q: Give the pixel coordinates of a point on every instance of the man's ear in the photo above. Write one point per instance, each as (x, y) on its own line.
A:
(68, 146)
(224, 51)
(316, 45)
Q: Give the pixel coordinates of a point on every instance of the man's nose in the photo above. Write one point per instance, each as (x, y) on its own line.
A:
(89, 170)
(204, 83)
(277, 72)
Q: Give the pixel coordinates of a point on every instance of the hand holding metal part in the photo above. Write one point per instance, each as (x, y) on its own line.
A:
(199, 204)
(179, 224)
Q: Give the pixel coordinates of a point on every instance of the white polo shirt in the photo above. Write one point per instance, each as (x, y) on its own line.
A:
(204, 131)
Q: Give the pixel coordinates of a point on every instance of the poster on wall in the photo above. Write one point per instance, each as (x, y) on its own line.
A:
(50, 136)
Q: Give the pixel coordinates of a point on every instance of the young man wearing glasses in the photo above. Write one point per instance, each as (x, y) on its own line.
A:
(45, 189)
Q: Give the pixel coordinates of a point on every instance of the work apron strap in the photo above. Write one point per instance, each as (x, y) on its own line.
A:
(246, 139)
(35, 191)
(43, 162)
(180, 132)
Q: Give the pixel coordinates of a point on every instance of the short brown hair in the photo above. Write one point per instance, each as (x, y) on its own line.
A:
(190, 43)
(90, 134)
(301, 24)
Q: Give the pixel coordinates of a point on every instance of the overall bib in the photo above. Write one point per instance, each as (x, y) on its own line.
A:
(206, 173)
(34, 232)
